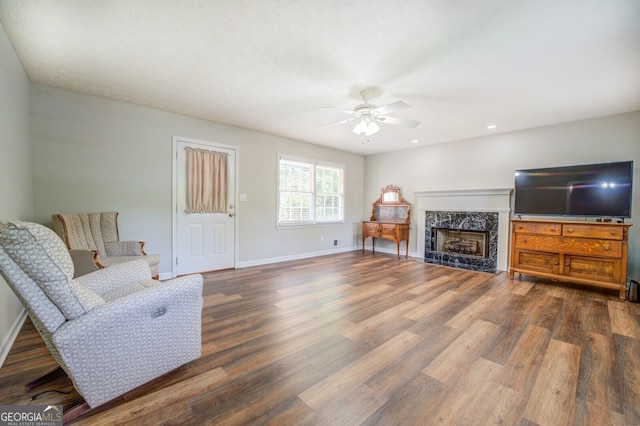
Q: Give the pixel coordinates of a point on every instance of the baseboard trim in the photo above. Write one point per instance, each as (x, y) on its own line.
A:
(294, 257)
(392, 251)
(270, 260)
(165, 276)
(11, 335)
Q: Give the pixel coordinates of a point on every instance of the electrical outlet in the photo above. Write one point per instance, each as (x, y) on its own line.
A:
(335, 242)
(321, 237)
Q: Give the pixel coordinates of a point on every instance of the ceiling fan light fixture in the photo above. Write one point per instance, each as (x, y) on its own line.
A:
(368, 116)
(366, 128)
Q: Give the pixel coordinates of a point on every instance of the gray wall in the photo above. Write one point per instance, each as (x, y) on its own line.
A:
(16, 185)
(97, 154)
(490, 161)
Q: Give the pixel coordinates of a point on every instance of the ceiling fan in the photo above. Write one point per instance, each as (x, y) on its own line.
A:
(368, 116)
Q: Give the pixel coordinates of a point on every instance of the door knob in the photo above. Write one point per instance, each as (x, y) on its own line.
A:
(231, 214)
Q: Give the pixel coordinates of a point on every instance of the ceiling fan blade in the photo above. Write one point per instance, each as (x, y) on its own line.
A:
(399, 121)
(339, 122)
(396, 106)
(348, 111)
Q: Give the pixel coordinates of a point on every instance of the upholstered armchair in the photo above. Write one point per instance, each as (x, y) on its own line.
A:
(94, 242)
(111, 330)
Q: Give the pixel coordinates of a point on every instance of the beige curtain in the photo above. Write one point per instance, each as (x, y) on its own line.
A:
(206, 181)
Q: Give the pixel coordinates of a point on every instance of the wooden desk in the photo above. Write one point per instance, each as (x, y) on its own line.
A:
(390, 219)
(393, 231)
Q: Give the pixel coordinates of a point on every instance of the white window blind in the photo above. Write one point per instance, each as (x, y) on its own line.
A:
(309, 192)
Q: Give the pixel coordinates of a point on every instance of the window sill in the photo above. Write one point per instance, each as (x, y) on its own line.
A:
(308, 225)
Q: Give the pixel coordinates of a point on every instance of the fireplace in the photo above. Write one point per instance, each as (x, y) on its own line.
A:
(467, 240)
(485, 211)
(469, 243)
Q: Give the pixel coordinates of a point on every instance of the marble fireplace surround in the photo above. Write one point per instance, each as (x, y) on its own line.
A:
(496, 200)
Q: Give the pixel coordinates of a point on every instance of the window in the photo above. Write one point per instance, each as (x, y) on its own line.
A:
(309, 192)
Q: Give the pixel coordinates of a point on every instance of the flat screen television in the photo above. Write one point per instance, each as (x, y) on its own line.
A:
(600, 190)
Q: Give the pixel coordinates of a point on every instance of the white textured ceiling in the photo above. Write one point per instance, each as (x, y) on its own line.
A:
(272, 65)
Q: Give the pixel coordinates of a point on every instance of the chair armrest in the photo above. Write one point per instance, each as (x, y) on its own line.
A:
(84, 261)
(124, 248)
(116, 276)
(135, 310)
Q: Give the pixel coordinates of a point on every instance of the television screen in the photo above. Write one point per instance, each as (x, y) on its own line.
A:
(602, 190)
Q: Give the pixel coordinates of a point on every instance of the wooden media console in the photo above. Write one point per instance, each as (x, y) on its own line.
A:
(589, 253)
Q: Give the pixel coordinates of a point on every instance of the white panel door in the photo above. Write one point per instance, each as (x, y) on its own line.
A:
(203, 242)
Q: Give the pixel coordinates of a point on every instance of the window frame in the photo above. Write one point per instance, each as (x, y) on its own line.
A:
(314, 164)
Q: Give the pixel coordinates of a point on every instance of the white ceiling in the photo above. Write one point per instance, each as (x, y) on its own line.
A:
(272, 65)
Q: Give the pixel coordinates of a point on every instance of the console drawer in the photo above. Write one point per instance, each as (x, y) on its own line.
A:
(538, 228)
(588, 231)
(582, 246)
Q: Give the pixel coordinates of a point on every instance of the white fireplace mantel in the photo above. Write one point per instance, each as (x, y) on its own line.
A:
(468, 200)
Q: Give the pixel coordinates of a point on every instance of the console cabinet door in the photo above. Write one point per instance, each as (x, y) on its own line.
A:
(388, 231)
(538, 261)
(403, 232)
(600, 269)
(370, 230)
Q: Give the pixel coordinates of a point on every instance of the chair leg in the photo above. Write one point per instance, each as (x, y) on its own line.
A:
(76, 411)
(48, 377)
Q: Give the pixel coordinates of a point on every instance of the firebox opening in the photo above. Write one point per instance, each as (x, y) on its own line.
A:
(464, 242)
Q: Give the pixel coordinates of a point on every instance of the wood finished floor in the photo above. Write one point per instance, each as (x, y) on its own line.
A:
(362, 338)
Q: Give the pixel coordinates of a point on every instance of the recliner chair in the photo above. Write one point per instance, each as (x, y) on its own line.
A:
(111, 330)
(94, 242)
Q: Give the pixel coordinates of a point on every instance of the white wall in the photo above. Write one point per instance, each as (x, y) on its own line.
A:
(97, 154)
(73, 152)
(16, 184)
(490, 161)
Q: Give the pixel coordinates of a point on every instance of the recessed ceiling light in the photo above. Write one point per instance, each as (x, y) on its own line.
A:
(491, 126)
(414, 141)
